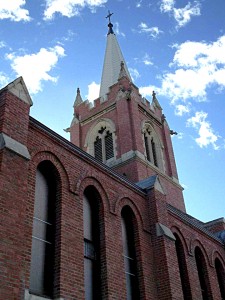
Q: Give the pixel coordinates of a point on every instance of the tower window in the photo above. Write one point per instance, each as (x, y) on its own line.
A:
(153, 148)
(103, 145)
(98, 148)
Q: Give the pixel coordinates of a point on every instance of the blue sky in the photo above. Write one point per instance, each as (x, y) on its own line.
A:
(176, 48)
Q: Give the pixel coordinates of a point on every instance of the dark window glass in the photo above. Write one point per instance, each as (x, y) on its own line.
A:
(129, 255)
(43, 236)
(221, 277)
(109, 145)
(98, 149)
(183, 269)
(154, 152)
(147, 148)
(91, 248)
(202, 273)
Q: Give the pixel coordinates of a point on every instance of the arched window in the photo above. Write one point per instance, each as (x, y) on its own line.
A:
(153, 148)
(220, 277)
(183, 269)
(202, 274)
(100, 141)
(129, 253)
(92, 268)
(44, 231)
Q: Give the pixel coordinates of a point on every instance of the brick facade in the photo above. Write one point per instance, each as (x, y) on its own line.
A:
(158, 208)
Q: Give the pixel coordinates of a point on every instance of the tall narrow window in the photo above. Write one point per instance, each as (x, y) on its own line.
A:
(91, 247)
(183, 269)
(154, 152)
(43, 236)
(147, 147)
(202, 274)
(220, 277)
(109, 152)
(98, 148)
(129, 254)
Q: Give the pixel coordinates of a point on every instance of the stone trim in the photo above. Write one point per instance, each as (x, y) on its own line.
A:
(11, 144)
(29, 296)
(162, 230)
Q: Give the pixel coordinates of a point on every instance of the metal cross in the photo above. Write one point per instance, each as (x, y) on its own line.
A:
(109, 15)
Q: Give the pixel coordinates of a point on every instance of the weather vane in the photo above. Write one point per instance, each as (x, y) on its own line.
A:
(109, 15)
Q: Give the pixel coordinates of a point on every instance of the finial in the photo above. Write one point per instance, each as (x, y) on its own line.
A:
(110, 25)
(78, 99)
(153, 94)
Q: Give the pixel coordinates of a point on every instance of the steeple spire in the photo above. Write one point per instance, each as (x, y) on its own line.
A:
(112, 61)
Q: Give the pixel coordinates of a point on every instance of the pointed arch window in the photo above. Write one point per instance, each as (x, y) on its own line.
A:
(153, 148)
(202, 274)
(185, 283)
(129, 254)
(92, 271)
(44, 232)
(220, 277)
(100, 141)
(103, 145)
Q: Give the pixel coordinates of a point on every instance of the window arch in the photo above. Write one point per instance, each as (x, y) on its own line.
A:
(202, 274)
(129, 253)
(44, 230)
(100, 141)
(185, 283)
(220, 277)
(153, 146)
(92, 255)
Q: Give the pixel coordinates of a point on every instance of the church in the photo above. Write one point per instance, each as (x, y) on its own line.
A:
(101, 216)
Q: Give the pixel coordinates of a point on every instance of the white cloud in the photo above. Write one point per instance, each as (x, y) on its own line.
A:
(197, 65)
(181, 109)
(152, 31)
(70, 8)
(93, 91)
(12, 9)
(35, 68)
(117, 29)
(206, 133)
(139, 3)
(146, 60)
(147, 90)
(2, 44)
(134, 74)
(4, 80)
(181, 15)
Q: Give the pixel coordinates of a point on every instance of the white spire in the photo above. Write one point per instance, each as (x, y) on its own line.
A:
(112, 62)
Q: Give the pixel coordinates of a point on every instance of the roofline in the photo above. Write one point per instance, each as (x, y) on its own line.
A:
(85, 155)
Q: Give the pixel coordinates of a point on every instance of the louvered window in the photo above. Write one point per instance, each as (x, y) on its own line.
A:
(109, 153)
(98, 148)
(154, 153)
(147, 148)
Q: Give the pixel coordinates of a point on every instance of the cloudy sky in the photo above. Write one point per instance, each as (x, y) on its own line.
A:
(175, 47)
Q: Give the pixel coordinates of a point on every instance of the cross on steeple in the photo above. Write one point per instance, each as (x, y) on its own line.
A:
(109, 15)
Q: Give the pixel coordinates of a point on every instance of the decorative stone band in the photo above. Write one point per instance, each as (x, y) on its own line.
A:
(163, 230)
(11, 144)
(28, 296)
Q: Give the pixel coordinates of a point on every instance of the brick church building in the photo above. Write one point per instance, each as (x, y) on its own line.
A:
(102, 216)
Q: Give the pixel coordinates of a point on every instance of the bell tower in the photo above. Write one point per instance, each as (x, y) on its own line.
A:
(124, 130)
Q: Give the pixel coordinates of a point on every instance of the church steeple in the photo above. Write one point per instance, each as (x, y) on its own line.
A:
(112, 61)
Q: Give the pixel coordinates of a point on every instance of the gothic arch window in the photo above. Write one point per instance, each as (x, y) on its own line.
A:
(92, 255)
(100, 141)
(220, 277)
(44, 231)
(202, 274)
(129, 254)
(185, 283)
(153, 146)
